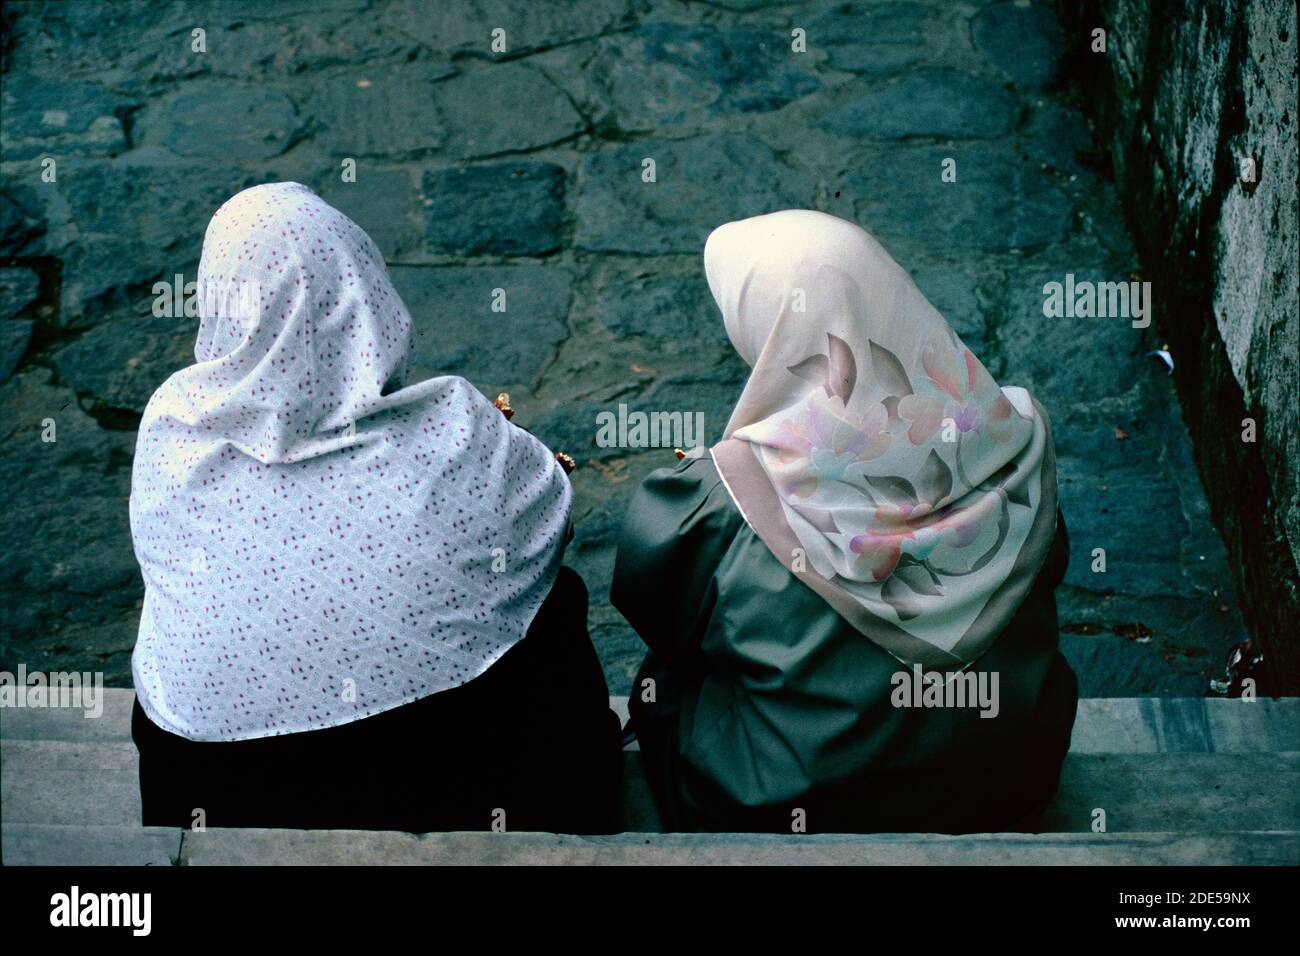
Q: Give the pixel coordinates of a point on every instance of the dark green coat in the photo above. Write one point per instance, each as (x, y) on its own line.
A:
(767, 702)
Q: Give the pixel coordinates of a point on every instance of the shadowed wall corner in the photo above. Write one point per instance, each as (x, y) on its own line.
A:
(1196, 101)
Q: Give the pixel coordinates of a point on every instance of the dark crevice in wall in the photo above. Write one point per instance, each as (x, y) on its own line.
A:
(1178, 246)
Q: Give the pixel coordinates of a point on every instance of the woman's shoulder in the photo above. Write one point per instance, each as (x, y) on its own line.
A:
(679, 514)
(691, 487)
(696, 470)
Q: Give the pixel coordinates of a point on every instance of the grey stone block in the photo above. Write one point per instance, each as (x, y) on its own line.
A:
(1110, 664)
(505, 209)
(70, 601)
(15, 336)
(663, 306)
(18, 289)
(35, 844)
(22, 757)
(1021, 40)
(998, 201)
(50, 117)
(79, 797)
(122, 362)
(664, 74)
(383, 201)
(459, 334)
(1038, 347)
(1264, 724)
(1177, 792)
(934, 103)
(1186, 725)
(464, 27)
(221, 121)
(391, 112)
(504, 108)
(618, 212)
(70, 724)
(962, 294)
(873, 38)
(334, 848)
(119, 227)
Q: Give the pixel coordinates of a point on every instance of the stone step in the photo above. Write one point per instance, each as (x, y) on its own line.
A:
(68, 782)
(1103, 725)
(55, 723)
(359, 847)
(1169, 775)
(1186, 725)
(1177, 792)
(28, 844)
(45, 844)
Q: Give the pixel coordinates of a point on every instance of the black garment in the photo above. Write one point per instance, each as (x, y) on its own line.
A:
(533, 736)
(767, 704)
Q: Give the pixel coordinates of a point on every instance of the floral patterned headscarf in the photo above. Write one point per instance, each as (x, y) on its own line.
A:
(871, 450)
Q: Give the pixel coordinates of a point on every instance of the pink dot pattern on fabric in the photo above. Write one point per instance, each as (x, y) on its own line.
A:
(317, 536)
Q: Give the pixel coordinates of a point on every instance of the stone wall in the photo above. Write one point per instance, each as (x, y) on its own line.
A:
(523, 171)
(1185, 91)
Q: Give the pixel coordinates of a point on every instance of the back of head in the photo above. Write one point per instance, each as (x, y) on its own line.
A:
(870, 449)
(319, 539)
(300, 326)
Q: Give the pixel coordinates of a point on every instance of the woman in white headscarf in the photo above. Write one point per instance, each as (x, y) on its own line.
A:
(355, 613)
(849, 600)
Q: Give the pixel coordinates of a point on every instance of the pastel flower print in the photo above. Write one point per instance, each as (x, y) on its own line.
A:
(878, 552)
(955, 386)
(954, 528)
(820, 446)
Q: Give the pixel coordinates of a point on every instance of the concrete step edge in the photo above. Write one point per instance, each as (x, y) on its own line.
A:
(1183, 792)
(1103, 724)
(241, 847)
(42, 844)
(28, 844)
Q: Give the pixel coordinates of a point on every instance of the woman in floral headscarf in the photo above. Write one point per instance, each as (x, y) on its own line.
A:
(876, 532)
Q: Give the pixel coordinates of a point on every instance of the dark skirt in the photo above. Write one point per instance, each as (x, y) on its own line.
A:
(530, 743)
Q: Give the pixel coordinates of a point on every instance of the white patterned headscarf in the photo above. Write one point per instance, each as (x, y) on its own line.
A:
(870, 450)
(320, 540)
